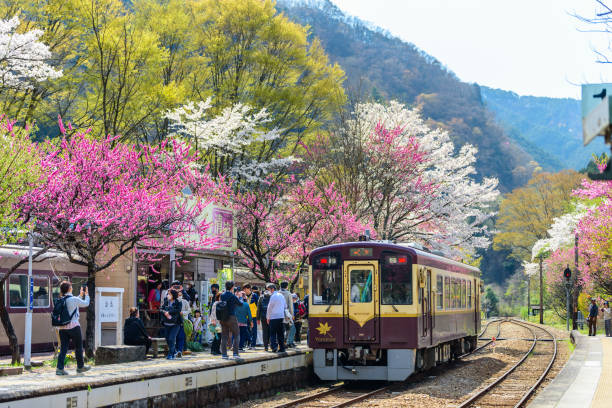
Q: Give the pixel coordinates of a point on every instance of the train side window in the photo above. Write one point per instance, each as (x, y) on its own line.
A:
(469, 294)
(447, 298)
(396, 284)
(40, 296)
(455, 293)
(18, 290)
(463, 294)
(440, 291)
(326, 287)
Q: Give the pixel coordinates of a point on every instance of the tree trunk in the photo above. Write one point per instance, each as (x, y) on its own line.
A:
(9, 329)
(91, 312)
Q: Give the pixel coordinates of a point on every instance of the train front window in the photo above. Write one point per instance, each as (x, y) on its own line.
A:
(326, 286)
(361, 285)
(396, 280)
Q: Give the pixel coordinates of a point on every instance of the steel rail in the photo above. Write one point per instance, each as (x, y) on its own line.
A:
(310, 397)
(500, 321)
(363, 396)
(336, 388)
(546, 371)
(485, 390)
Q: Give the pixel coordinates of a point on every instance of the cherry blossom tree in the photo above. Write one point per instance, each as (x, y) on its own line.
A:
(236, 143)
(595, 235)
(438, 202)
(23, 58)
(101, 198)
(284, 222)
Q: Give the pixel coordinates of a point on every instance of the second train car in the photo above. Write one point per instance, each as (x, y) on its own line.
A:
(382, 311)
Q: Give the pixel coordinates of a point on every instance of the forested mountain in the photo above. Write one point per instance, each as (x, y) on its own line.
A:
(380, 66)
(549, 129)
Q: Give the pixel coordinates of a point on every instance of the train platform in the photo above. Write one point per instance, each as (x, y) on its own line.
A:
(196, 380)
(586, 379)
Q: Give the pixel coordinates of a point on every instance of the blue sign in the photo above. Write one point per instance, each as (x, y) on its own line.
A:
(31, 302)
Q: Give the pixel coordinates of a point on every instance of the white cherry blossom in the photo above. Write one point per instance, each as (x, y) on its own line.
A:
(23, 58)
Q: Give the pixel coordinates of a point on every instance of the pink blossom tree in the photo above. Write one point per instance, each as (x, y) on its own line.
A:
(284, 222)
(382, 180)
(100, 198)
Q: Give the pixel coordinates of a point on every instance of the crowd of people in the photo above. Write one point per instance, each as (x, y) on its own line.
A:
(234, 318)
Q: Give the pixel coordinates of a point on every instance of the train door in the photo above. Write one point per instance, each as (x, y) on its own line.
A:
(362, 307)
(476, 289)
(425, 288)
(431, 306)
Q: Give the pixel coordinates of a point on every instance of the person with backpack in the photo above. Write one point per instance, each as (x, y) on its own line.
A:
(252, 299)
(245, 321)
(215, 327)
(299, 313)
(171, 314)
(226, 314)
(288, 320)
(262, 309)
(65, 318)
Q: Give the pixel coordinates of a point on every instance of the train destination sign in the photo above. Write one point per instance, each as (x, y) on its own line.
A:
(360, 251)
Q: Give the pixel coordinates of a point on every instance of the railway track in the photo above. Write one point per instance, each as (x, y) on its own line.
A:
(514, 387)
(340, 396)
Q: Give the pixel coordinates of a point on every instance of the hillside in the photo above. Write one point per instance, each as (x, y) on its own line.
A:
(549, 129)
(380, 66)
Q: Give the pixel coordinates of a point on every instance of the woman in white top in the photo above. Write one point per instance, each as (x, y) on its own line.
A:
(72, 330)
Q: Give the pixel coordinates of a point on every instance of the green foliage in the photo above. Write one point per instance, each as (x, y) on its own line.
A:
(549, 129)
(20, 171)
(195, 346)
(490, 302)
(526, 214)
(125, 64)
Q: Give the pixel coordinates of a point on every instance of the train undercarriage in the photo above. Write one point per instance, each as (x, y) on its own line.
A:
(366, 362)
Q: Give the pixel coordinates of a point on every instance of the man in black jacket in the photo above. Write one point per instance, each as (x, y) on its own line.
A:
(230, 325)
(134, 333)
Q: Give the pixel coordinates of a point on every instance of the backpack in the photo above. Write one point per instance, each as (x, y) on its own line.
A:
(60, 315)
(222, 310)
(301, 309)
(264, 306)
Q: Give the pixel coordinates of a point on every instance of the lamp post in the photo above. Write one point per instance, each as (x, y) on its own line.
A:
(27, 343)
(567, 273)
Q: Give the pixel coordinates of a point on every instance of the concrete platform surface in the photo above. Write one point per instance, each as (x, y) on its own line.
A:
(35, 384)
(586, 379)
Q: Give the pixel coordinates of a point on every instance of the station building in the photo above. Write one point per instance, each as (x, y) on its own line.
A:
(137, 272)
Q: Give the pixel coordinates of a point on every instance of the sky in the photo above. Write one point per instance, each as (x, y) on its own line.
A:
(531, 47)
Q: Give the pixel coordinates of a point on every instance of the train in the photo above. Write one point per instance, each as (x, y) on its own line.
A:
(382, 311)
(47, 275)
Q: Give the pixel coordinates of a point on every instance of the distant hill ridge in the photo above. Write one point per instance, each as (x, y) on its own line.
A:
(381, 67)
(550, 129)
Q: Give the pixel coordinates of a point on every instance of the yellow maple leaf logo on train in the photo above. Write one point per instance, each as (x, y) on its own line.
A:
(324, 328)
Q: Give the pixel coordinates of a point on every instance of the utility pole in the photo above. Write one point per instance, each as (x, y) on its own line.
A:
(541, 294)
(576, 290)
(528, 296)
(567, 273)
